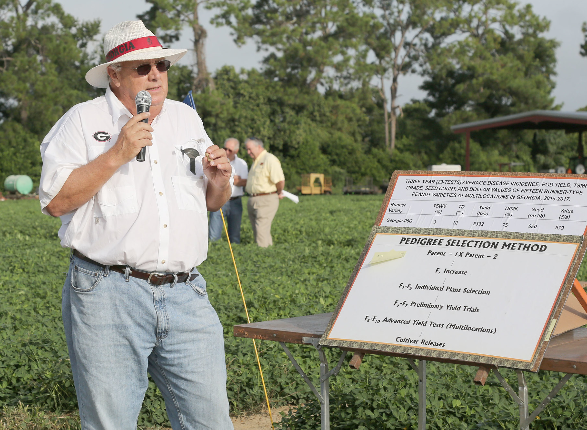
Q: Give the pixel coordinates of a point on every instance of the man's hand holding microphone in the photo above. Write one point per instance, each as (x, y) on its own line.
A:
(136, 135)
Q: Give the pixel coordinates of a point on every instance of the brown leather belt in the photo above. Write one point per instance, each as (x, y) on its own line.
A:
(234, 198)
(263, 194)
(154, 278)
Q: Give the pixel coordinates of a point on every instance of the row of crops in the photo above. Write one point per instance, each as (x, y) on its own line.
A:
(317, 244)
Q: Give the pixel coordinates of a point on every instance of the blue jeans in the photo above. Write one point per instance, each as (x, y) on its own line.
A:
(233, 214)
(118, 329)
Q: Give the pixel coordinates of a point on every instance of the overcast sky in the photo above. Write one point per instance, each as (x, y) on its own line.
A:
(566, 17)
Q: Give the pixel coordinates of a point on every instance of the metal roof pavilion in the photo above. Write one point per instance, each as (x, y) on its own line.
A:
(571, 122)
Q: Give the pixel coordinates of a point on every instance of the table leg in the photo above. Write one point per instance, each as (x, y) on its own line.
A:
(549, 398)
(324, 391)
(324, 394)
(523, 396)
(420, 369)
(422, 395)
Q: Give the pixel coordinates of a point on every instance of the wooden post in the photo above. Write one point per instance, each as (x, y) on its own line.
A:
(357, 359)
(481, 376)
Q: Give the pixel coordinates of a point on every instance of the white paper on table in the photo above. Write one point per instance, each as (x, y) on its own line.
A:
(291, 196)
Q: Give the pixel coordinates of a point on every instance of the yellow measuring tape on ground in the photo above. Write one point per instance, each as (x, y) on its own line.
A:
(248, 319)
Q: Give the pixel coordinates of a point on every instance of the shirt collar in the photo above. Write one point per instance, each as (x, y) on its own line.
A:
(117, 109)
(261, 155)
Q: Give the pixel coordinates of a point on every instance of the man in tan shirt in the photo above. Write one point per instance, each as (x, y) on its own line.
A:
(264, 186)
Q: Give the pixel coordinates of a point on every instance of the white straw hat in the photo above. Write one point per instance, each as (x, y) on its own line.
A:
(129, 41)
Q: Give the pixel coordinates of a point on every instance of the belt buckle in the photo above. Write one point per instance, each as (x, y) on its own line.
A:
(156, 274)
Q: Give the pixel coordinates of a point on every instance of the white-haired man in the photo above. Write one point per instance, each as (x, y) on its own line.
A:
(133, 300)
(233, 208)
(264, 186)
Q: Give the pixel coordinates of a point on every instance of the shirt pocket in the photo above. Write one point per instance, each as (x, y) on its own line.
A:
(118, 195)
(187, 165)
(261, 175)
(190, 193)
(117, 200)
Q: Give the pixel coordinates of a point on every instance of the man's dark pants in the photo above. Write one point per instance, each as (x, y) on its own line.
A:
(233, 214)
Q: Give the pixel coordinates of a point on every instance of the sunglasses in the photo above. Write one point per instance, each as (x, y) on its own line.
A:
(145, 69)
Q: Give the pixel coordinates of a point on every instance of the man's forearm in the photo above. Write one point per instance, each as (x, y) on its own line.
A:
(217, 197)
(280, 186)
(82, 184)
(85, 181)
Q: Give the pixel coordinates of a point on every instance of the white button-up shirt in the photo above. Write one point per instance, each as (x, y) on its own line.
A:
(149, 215)
(240, 168)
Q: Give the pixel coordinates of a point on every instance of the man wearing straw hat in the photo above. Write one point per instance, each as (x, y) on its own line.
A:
(133, 301)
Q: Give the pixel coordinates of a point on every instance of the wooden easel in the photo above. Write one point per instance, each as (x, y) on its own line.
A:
(580, 294)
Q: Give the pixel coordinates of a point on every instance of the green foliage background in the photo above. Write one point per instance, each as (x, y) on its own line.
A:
(315, 100)
(317, 244)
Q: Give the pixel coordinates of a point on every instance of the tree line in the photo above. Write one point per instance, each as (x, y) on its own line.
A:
(326, 97)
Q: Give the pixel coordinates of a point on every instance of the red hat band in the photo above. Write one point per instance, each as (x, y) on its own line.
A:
(132, 45)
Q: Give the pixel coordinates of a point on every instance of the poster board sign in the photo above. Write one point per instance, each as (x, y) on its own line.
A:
(514, 202)
(479, 296)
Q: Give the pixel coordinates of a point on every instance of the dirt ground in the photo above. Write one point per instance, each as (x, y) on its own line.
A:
(258, 421)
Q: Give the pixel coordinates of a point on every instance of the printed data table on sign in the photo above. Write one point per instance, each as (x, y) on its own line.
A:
(518, 204)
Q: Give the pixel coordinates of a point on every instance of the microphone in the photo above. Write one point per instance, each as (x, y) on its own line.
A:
(143, 102)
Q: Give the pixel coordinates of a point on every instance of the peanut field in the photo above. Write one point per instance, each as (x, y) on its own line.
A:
(317, 244)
